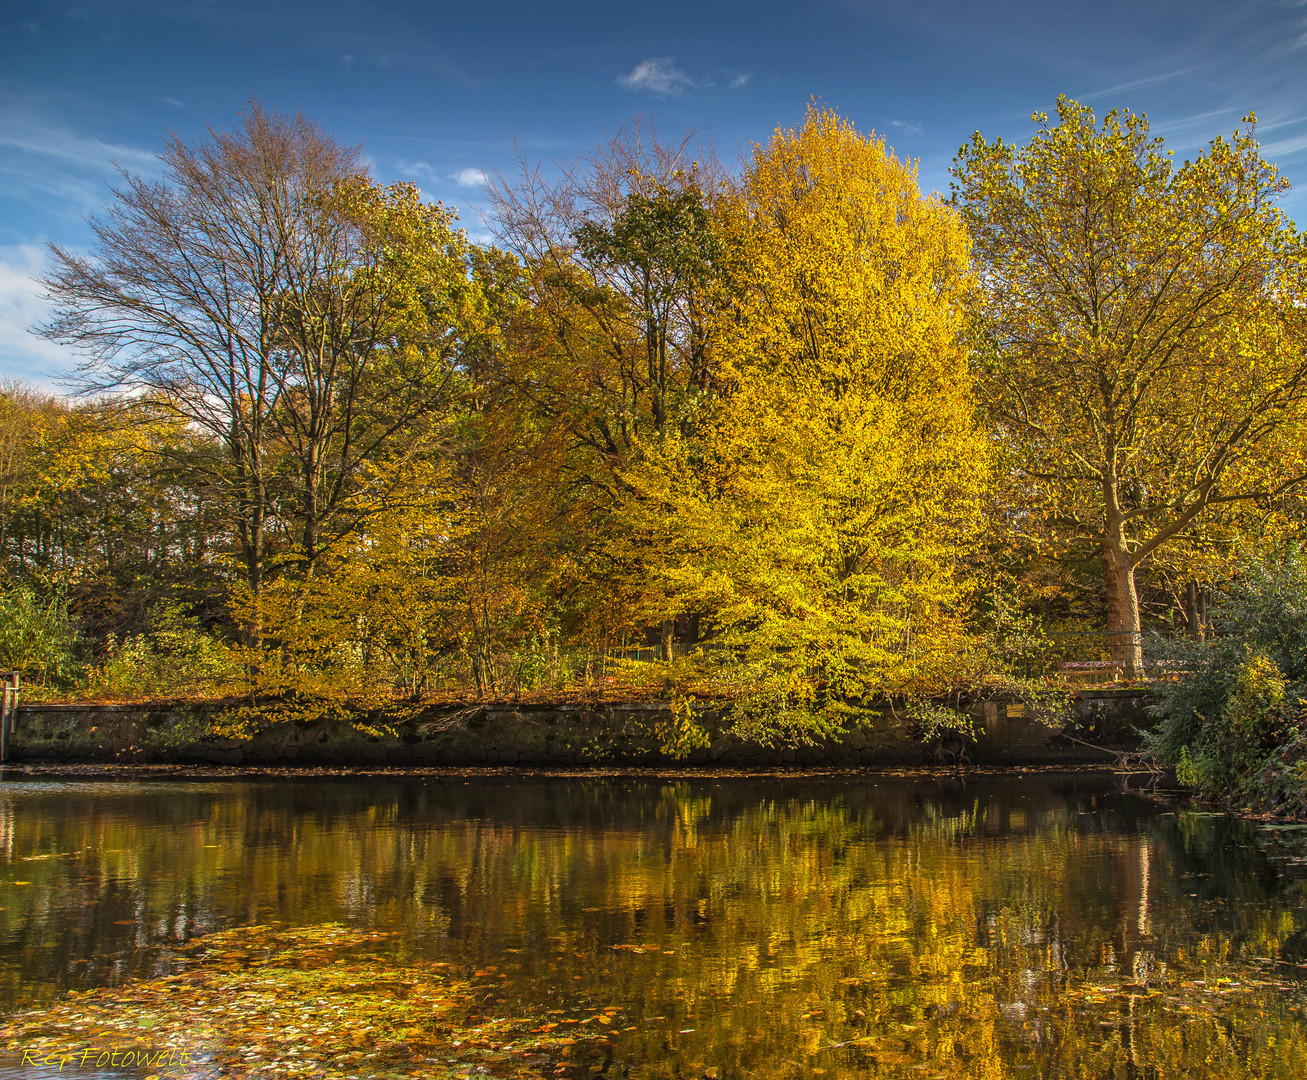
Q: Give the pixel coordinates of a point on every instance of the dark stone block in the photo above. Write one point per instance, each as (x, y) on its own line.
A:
(223, 756)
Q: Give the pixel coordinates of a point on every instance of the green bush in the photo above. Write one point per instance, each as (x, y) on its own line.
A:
(176, 658)
(1234, 720)
(37, 636)
(935, 722)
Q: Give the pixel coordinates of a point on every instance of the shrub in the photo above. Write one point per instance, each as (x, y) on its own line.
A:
(176, 658)
(1234, 721)
(37, 636)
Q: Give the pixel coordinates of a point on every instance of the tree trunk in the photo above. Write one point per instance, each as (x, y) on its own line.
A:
(1192, 616)
(1113, 598)
(254, 566)
(1123, 627)
(310, 513)
(666, 638)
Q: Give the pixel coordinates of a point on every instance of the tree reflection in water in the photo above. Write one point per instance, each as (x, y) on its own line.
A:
(1047, 926)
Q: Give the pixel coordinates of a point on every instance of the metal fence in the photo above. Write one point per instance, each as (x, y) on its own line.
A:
(1089, 657)
(1075, 657)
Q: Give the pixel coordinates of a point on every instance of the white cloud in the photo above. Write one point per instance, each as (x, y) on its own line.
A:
(425, 172)
(29, 135)
(418, 170)
(914, 128)
(471, 177)
(740, 81)
(23, 305)
(1282, 148)
(176, 103)
(658, 75)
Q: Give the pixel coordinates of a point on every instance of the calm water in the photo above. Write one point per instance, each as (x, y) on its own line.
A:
(1049, 926)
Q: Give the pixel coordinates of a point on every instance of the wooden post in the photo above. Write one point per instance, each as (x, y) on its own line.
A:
(8, 711)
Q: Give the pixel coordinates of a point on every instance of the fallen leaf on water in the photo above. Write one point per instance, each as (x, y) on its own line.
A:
(307, 1001)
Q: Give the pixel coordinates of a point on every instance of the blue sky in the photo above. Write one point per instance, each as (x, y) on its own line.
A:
(439, 92)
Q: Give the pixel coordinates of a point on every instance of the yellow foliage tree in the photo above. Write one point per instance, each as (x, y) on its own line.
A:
(1143, 357)
(820, 515)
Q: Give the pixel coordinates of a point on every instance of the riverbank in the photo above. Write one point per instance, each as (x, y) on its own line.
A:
(520, 774)
(1102, 725)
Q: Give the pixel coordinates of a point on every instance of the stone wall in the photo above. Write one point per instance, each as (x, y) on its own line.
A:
(558, 735)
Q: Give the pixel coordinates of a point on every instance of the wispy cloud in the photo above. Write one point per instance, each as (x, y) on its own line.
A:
(658, 75)
(176, 103)
(425, 172)
(1194, 129)
(1282, 148)
(1156, 79)
(908, 127)
(470, 178)
(45, 164)
(23, 305)
(30, 136)
(740, 81)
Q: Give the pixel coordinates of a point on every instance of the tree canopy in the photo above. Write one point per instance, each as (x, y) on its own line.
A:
(1141, 334)
(793, 440)
(820, 513)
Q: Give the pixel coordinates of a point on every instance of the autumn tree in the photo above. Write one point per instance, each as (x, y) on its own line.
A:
(820, 515)
(179, 298)
(366, 348)
(1142, 346)
(105, 514)
(26, 415)
(618, 254)
(267, 292)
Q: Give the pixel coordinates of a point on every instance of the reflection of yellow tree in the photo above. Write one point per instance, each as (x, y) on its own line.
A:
(845, 932)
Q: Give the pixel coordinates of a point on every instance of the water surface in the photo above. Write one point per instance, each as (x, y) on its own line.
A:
(1038, 927)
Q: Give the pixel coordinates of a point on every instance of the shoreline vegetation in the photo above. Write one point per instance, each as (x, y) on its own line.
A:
(790, 454)
(548, 736)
